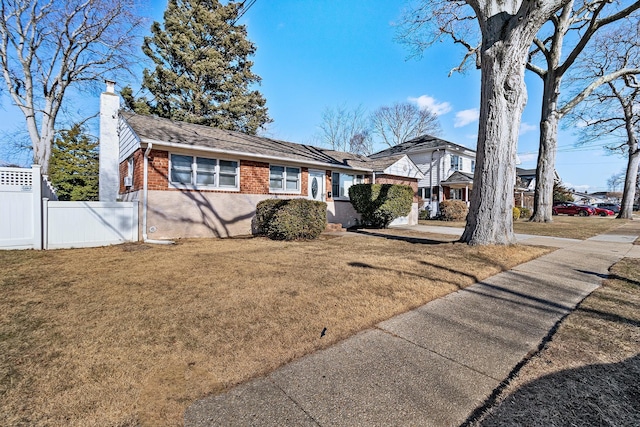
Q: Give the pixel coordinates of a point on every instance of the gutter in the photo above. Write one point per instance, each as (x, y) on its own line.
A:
(145, 199)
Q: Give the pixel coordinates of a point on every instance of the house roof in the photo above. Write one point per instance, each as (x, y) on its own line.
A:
(421, 143)
(159, 131)
(459, 178)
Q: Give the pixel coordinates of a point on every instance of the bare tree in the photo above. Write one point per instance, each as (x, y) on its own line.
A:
(339, 125)
(612, 111)
(47, 46)
(361, 143)
(507, 30)
(402, 121)
(577, 21)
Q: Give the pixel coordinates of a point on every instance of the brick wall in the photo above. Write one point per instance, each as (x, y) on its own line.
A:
(138, 173)
(254, 176)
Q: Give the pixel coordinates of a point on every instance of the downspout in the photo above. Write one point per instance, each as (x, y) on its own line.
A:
(374, 177)
(145, 198)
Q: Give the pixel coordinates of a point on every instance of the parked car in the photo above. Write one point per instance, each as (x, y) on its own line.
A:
(572, 209)
(611, 206)
(602, 211)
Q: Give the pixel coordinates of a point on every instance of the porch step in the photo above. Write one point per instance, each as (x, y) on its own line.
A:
(333, 227)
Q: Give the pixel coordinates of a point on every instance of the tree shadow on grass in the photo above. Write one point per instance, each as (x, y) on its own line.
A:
(593, 395)
(408, 239)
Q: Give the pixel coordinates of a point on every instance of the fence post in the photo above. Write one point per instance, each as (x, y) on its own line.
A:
(36, 192)
(45, 223)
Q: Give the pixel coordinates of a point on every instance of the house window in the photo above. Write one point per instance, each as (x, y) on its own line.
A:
(282, 178)
(341, 182)
(203, 172)
(456, 163)
(425, 192)
(130, 169)
(473, 166)
(455, 193)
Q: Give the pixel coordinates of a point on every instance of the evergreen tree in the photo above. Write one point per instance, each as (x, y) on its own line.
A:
(561, 193)
(73, 168)
(202, 72)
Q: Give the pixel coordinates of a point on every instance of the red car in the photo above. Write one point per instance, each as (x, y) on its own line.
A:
(602, 211)
(572, 209)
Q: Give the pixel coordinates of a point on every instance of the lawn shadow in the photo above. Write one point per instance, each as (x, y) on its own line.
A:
(593, 395)
(612, 277)
(408, 239)
(408, 273)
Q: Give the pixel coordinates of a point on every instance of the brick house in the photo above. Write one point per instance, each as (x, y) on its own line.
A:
(198, 181)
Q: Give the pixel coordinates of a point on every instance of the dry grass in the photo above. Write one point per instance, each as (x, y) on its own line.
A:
(132, 334)
(588, 375)
(571, 227)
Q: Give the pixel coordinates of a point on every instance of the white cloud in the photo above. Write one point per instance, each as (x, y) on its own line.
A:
(526, 128)
(582, 188)
(429, 103)
(466, 117)
(528, 157)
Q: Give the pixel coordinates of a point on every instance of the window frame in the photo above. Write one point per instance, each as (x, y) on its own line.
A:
(456, 162)
(454, 192)
(285, 179)
(356, 179)
(194, 185)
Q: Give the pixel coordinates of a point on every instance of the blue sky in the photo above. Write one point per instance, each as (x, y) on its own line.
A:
(314, 54)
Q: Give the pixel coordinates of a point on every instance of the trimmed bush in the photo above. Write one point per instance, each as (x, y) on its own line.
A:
(424, 214)
(295, 219)
(525, 213)
(516, 213)
(453, 210)
(379, 204)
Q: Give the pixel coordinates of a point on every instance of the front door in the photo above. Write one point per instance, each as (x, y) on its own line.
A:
(317, 185)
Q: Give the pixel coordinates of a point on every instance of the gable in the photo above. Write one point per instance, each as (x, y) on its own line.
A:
(405, 168)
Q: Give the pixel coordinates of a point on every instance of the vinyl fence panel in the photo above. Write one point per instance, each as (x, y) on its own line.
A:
(88, 224)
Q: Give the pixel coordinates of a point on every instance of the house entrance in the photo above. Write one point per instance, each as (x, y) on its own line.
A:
(317, 185)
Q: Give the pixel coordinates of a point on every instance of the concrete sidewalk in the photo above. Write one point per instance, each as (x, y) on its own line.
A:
(433, 366)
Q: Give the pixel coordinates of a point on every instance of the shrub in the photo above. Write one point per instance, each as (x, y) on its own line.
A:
(379, 204)
(516, 213)
(424, 214)
(283, 219)
(453, 210)
(525, 213)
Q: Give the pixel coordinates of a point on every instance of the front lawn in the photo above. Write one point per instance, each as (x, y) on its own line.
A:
(133, 334)
(572, 227)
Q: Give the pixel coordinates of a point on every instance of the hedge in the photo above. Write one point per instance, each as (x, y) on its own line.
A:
(379, 204)
(291, 219)
(516, 213)
(453, 210)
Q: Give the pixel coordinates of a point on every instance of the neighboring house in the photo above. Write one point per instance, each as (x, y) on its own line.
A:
(199, 181)
(448, 169)
(525, 187)
(589, 199)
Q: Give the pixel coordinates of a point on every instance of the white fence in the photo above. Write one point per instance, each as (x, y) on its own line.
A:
(29, 221)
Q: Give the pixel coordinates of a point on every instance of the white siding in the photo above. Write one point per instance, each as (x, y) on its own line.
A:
(403, 167)
(129, 141)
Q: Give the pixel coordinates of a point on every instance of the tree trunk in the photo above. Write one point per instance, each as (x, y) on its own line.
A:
(629, 192)
(503, 97)
(545, 171)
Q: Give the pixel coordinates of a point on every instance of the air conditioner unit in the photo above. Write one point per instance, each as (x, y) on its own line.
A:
(128, 181)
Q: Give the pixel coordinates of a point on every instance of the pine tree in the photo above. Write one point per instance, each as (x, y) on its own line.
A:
(202, 72)
(73, 168)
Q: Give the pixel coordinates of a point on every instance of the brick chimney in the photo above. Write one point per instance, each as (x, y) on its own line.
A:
(109, 144)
